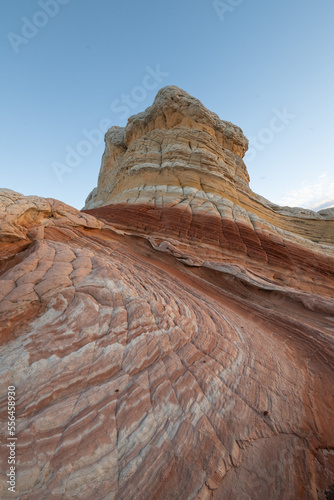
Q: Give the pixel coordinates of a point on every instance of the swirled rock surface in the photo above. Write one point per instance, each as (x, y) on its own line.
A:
(175, 339)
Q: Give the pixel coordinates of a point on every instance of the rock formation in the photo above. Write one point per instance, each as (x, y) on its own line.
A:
(174, 340)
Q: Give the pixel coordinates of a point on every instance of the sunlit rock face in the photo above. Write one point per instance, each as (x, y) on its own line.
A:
(175, 339)
(177, 154)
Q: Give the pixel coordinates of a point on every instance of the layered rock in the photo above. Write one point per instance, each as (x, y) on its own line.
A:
(175, 341)
(177, 154)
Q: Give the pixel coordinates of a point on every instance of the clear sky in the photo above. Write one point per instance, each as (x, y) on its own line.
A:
(69, 66)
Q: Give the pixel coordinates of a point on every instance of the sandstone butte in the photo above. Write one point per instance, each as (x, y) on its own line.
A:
(174, 339)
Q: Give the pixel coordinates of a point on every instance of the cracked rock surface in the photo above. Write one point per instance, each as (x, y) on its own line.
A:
(175, 340)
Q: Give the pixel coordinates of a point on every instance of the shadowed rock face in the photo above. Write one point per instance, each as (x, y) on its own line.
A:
(175, 339)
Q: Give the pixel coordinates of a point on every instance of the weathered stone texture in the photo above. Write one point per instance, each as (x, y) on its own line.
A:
(175, 340)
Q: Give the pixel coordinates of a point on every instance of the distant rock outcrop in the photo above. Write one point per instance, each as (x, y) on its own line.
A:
(176, 339)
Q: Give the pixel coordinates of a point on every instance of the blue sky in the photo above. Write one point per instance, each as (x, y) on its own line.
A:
(67, 65)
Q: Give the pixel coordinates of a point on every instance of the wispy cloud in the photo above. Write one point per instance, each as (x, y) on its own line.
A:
(315, 194)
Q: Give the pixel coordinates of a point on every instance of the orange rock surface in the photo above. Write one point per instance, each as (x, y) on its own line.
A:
(175, 339)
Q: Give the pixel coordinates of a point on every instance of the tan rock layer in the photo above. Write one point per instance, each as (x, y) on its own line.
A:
(177, 153)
